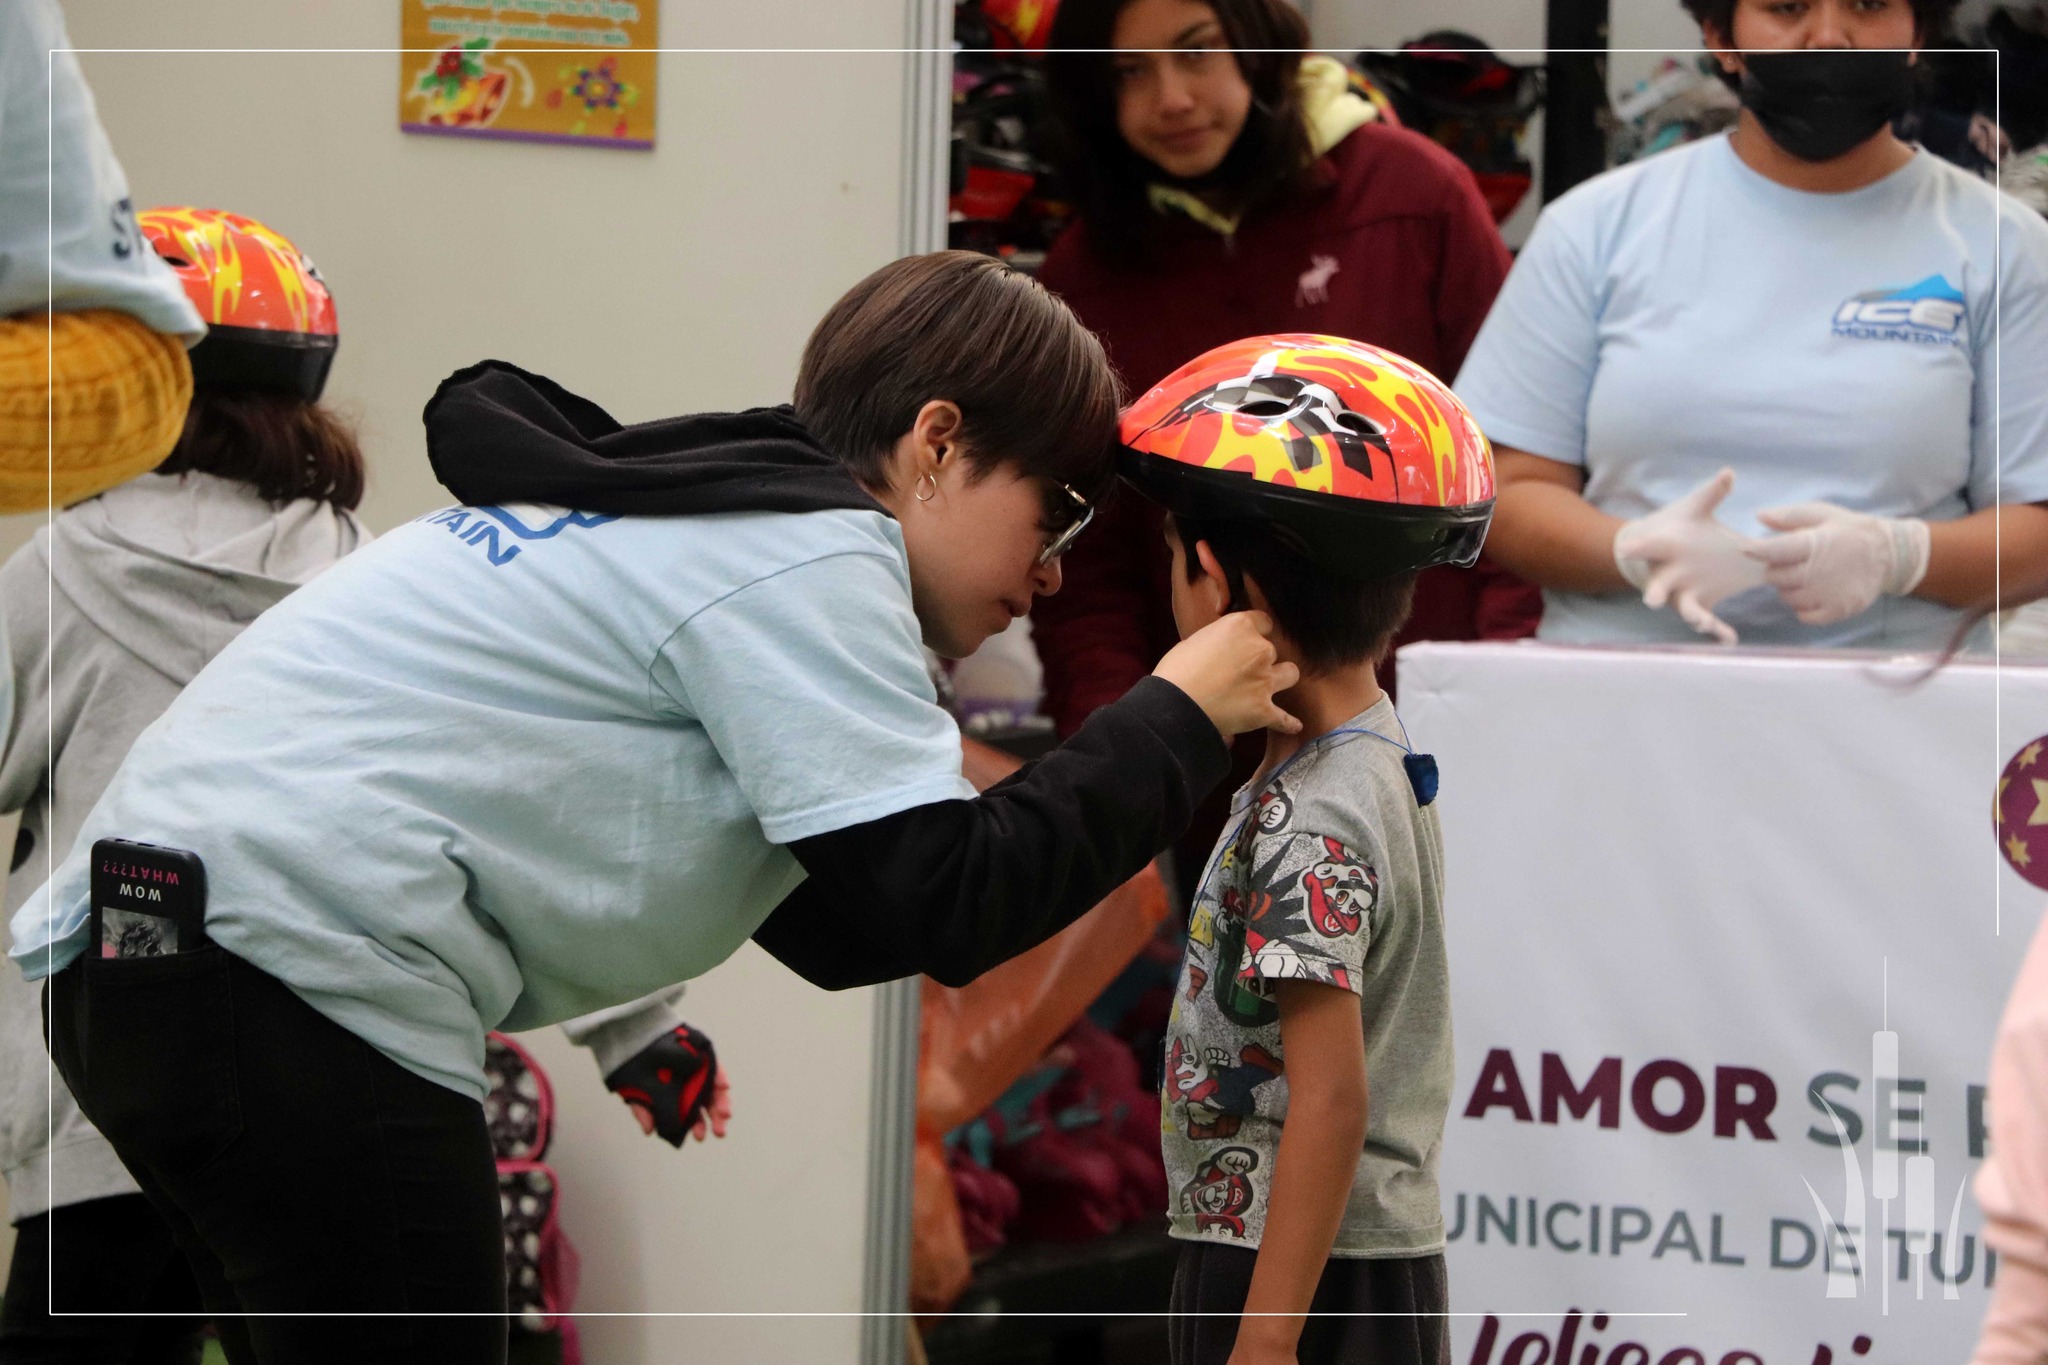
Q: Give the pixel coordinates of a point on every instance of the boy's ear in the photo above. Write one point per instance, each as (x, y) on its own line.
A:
(1214, 580)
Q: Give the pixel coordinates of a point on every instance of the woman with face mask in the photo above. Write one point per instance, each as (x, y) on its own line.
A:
(1229, 185)
(1782, 386)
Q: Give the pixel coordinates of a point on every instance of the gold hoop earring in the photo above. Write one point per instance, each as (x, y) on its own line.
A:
(925, 497)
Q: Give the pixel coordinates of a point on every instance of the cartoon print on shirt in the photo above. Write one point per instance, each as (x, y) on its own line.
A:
(1198, 977)
(1221, 1192)
(1248, 917)
(1274, 925)
(1236, 909)
(1218, 1094)
(1273, 959)
(1340, 891)
(1277, 959)
(1275, 808)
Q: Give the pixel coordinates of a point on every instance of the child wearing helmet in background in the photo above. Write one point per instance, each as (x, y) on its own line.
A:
(108, 613)
(1309, 1066)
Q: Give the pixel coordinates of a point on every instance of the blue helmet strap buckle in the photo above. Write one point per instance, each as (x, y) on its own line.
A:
(1421, 776)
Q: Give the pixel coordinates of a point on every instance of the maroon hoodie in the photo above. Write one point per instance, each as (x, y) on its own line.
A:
(1396, 248)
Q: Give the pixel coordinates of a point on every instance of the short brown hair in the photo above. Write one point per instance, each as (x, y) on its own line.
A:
(1271, 160)
(278, 443)
(1035, 391)
(1333, 622)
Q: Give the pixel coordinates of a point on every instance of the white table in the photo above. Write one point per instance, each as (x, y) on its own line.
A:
(1740, 876)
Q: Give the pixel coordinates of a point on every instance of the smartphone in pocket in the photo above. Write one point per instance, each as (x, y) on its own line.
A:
(147, 900)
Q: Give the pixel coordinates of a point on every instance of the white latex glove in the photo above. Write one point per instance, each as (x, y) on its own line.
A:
(1682, 556)
(1832, 563)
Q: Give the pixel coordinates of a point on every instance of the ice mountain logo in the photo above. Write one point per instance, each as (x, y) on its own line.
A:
(1931, 311)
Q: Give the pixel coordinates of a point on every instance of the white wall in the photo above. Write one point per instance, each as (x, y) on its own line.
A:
(1347, 26)
(655, 283)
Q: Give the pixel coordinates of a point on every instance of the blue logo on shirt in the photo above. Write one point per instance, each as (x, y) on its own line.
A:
(528, 521)
(1930, 311)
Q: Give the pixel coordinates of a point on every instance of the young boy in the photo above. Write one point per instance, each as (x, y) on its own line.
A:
(1309, 1064)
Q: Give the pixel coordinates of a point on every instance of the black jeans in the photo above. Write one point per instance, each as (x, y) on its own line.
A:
(331, 1203)
(110, 1255)
(1379, 1312)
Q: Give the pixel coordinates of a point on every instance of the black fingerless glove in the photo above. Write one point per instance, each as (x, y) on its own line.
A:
(671, 1078)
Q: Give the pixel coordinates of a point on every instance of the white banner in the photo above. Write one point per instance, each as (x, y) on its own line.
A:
(1730, 935)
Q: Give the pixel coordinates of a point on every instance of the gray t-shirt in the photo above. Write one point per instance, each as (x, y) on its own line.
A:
(1330, 872)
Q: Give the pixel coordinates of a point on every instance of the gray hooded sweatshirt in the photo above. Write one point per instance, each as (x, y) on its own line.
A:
(108, 613)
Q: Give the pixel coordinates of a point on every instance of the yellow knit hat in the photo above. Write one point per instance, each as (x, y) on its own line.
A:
(110, 405)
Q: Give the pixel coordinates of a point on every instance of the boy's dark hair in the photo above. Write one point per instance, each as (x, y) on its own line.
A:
(1035, 391)
(1333, 621)
(278, 443)
(1930, 17)
(1269, 162)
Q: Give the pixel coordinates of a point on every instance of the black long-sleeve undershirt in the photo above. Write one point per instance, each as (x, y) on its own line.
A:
(952, 888)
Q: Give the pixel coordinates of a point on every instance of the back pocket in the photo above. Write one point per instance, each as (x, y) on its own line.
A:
(158, 1040)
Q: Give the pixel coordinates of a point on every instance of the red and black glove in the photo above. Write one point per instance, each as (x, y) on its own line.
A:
(671, 1078)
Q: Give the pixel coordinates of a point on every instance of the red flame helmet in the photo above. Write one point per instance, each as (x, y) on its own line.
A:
(1364, 461)
(269, 316)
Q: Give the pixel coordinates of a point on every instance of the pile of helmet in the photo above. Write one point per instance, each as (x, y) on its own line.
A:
(1451, 86)
(1677, 103)
(1002, 200)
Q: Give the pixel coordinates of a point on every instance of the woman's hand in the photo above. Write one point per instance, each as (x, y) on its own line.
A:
(718, 1112)
(1230, 669)
(1829, 563)
(1682, 556)
(673, 1085)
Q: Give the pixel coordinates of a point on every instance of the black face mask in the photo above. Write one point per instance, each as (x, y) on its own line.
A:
(1820, 104)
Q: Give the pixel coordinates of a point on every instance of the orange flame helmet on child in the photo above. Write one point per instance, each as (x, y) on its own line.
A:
(269, 316)
(1362, 460)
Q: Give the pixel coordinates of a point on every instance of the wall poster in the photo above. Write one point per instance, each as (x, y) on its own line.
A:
(575, 71)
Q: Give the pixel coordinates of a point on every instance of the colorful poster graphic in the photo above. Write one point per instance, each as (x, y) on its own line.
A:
(578, 71)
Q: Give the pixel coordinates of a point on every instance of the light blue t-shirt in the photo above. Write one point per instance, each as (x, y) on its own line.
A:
(1685, 313)
(506, 766)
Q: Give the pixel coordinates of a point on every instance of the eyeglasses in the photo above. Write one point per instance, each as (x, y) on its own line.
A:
(1068, 514)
